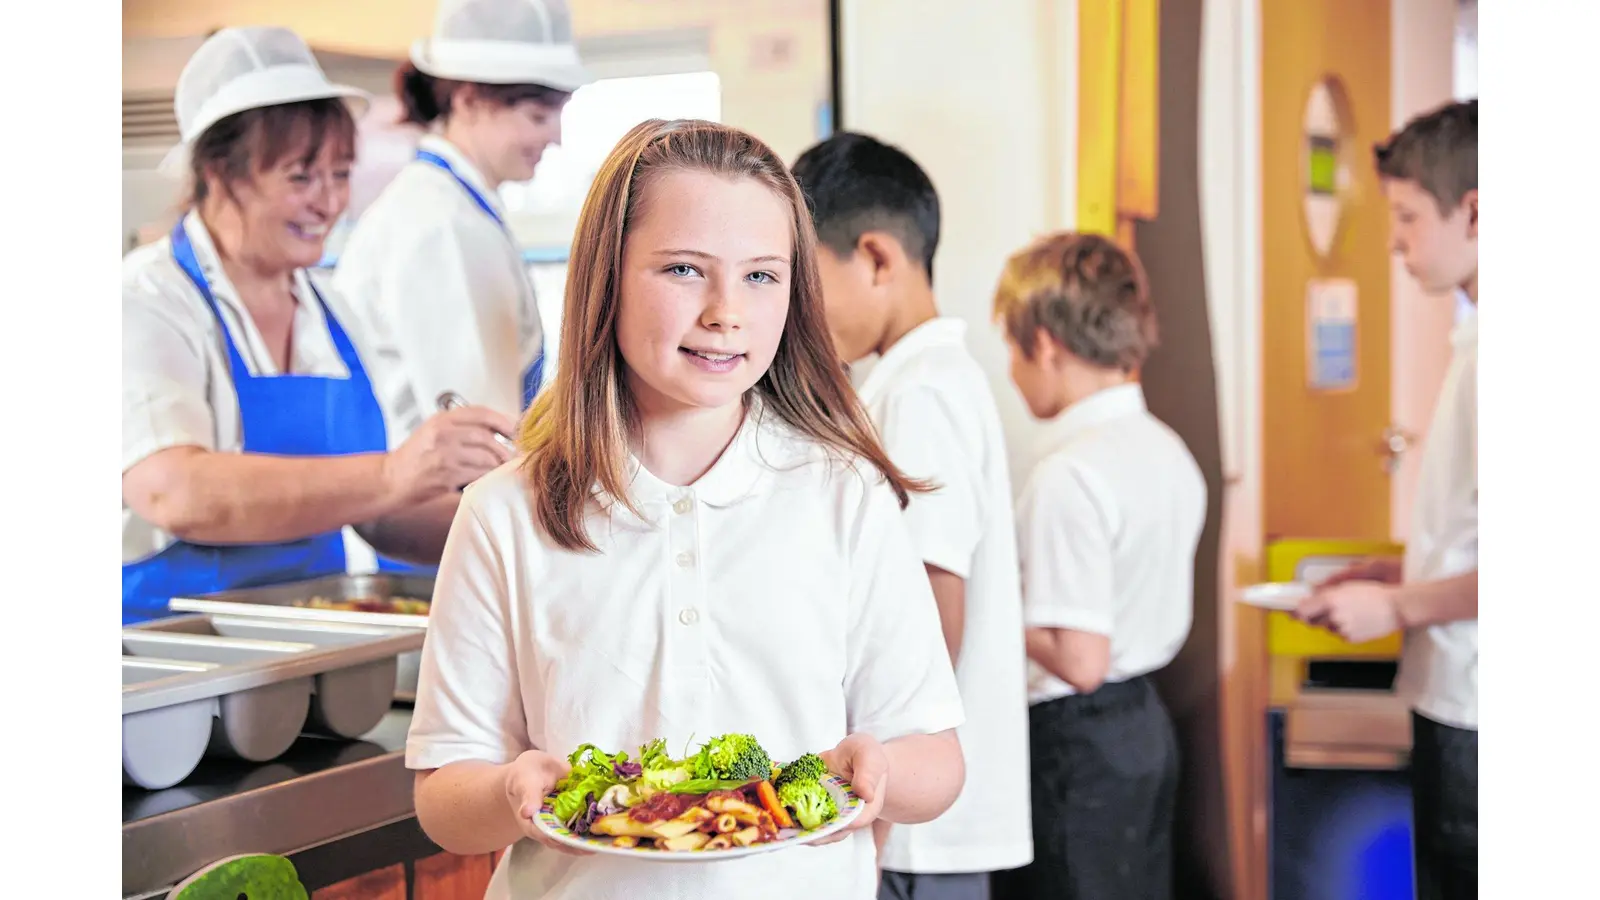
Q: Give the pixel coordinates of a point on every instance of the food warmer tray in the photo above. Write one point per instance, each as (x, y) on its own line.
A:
(246, 687)
(282, 602)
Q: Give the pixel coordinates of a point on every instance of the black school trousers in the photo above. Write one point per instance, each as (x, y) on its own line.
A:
(1105, 779)
(1444, 810)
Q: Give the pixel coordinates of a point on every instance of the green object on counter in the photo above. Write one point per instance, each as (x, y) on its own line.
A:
(254, 877)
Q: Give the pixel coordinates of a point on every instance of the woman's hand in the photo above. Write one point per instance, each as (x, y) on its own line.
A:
(450, 450)
(860, 760)
(528, 780)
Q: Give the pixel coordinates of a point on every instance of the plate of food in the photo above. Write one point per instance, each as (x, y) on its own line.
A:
(725, 801)
(1282, 596)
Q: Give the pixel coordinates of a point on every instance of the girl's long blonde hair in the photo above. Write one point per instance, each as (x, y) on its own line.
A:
(576, 434)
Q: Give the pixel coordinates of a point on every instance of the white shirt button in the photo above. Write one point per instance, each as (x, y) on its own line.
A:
(685, 559)
(689, 616)
(683, 506)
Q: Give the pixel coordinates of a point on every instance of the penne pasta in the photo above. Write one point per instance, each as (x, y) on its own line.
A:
(675, 828)
(694, 840)
(620, 824)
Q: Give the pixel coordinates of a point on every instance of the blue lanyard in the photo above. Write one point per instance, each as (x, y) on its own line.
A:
(434, 159)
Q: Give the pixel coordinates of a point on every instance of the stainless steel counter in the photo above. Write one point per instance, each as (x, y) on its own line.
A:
(320, 792)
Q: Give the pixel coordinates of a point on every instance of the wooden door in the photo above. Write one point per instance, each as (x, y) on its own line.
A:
(1324, 473)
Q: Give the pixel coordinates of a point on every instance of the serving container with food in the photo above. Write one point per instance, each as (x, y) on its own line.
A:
(395, 601)
(251, 670)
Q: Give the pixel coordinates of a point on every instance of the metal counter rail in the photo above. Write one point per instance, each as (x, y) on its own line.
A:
(321, 791)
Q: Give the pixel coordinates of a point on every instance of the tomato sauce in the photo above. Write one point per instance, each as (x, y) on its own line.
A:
(664, 806)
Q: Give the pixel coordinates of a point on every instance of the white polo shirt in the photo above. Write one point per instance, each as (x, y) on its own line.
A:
(1106, 530)
(1439, 664)
(442, 293)
(177, 389)
(938, 420)
(779, 596)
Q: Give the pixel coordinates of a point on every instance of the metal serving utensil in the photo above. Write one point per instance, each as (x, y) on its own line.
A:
(451, 400)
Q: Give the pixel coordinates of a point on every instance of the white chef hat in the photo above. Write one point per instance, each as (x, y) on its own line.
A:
(503, 42)
(238, 69)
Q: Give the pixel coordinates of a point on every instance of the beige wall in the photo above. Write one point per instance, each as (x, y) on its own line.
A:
(772, 55)
(971, 91)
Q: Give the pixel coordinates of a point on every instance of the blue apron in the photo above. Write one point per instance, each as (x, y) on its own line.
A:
(282, 415)
(533, 376)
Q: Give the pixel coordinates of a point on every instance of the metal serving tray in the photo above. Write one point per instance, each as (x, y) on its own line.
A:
(247, 687)
(279, 602)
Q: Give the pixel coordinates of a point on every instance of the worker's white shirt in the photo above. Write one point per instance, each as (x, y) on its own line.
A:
(1107, 528)
(177, 389)
(933, 407)
(778, 596)
(1439, 663)
(441, 293)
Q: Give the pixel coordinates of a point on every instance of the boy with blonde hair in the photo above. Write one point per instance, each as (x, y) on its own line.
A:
(1107, 526)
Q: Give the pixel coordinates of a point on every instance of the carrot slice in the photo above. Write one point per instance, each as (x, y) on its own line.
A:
(769, 800)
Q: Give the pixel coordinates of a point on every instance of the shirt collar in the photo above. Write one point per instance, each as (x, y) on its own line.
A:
(734, 477)
(942, 331)
(464, 167)
(205, 253)
(1103, 406)
(1466, 330)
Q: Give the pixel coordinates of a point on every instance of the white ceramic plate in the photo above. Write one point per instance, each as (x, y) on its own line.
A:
(1281, 596)
(844, 797)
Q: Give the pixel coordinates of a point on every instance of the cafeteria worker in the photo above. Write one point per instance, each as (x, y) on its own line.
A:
(431, 267)
(250, 433)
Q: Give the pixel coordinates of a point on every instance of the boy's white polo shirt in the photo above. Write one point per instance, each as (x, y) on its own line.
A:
(1439, 664)
(937, 416)
(1107, 529)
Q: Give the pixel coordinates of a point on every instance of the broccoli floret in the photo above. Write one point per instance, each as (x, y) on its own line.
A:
(807, 768)
(811, 802)
(738, 757)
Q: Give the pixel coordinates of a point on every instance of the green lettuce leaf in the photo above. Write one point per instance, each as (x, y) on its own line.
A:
(704, 786)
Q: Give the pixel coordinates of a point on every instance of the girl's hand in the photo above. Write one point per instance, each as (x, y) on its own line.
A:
(528, 780)
(860, 760)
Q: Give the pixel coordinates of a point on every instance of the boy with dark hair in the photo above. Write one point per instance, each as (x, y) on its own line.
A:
(1430, 177)
(877, 220)
(1107, 526)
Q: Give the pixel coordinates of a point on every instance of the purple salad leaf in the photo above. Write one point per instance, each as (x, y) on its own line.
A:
(590, 813)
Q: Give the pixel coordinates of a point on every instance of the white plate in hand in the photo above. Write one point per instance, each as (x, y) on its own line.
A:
(1283, 596)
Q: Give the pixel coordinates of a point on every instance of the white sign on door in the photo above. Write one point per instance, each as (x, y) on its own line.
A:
(1331, 334)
